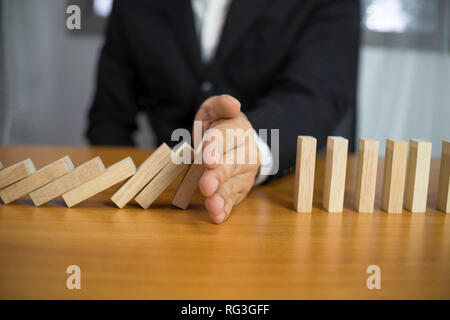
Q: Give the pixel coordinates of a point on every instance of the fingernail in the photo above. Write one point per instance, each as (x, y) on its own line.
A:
(221, 217)
(221, 203)
(215, 186)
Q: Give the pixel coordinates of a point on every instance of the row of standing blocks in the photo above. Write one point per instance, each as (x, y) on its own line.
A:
(157, 172)
(76, 185)
(405, 179)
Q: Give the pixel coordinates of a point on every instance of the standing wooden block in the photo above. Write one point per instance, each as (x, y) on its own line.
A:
(38, 179)
(366, 176)
(188, 185)
(78, 176)
(16, 172)
(304, 173)
(444, 179)
(335, 171)
(394, 176)
(164, 178)
(1, 165)
(114, 174)
(417, 176)
(146, 172)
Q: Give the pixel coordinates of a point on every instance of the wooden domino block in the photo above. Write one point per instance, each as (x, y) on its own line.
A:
(335, 171)
(366, 176)
(444, 179)
(163, 179)
(38, 179)
(304, 173)
(78, 176)
(417, 176)
(394, 176)
(1, 165)
(146, 172)
(16, 172)
(114, 174)
(188, 185)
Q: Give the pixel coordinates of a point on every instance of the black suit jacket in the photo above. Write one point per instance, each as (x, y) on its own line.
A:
(291, 63)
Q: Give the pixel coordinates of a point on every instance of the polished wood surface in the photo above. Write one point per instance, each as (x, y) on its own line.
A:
(264, 251)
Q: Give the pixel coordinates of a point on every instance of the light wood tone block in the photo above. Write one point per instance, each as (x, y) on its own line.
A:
(417, 176)
(145, 173)
(444, 179)
(366, 175)
(114, 174)
(335, 171)
(16, 172)
(1, 165)
(76, 177)
(304, 173)
(394, 176)
(38, 179)
(164, 178)
(187, 186)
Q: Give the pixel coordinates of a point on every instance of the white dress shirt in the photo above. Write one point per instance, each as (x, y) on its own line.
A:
(209, 17)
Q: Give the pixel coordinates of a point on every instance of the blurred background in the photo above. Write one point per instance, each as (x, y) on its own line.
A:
(47, 73)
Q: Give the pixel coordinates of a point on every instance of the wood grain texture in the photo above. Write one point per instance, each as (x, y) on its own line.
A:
(164, 178)
(265, 250)
(36, 180)
(144, 174)
(76, 177)
(335, 172)
(16, 172)
(112, 176)
(417, 176)
(444, 179)
(366, 175)
(304, 173)
(394, 176)
(185, 190)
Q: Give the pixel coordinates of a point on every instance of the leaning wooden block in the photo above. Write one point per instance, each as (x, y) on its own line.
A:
(38, 179)
(146, 172)
(444, 179)
(16, 172)
(187, 186)
(417, 176)
(335, 171)
(114, 174)
(394, 176)
(164, 178)
(366, 176)
(304, 173)
(1, 165)
(78, 176)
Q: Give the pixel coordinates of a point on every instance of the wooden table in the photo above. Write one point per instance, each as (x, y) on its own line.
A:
(264, 251)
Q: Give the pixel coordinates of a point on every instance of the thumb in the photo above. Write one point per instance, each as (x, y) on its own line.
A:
(218, 108)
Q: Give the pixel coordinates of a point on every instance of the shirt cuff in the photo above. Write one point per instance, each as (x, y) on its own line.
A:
(266, 160)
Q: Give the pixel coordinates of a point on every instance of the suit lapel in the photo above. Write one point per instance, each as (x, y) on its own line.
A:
(241, 14)
(182, 21)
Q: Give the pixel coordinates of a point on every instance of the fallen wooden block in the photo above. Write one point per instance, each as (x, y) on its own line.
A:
(187, 186)
(417, 176)
(366, 176)
(38, 179)
(444, 179)
(78, 176)
(114, 174)
(144, 174)
(304, 173)
(163, 179)
(16, 172)
(335, 171)
(394, 176)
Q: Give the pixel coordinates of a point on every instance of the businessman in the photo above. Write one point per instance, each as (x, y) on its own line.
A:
(249, 64)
